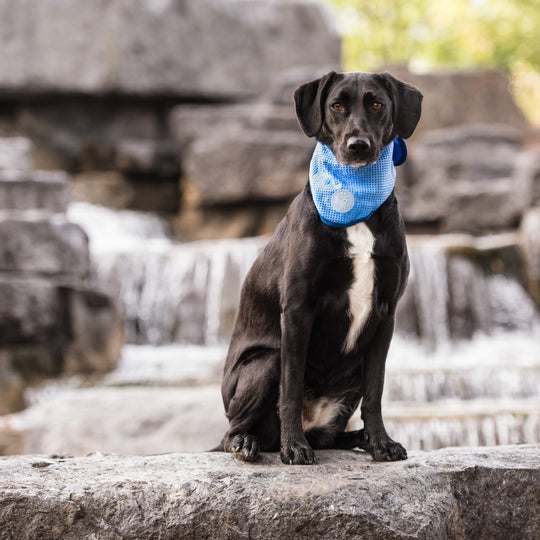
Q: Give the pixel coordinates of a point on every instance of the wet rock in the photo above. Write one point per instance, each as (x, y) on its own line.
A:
(441, 494)
(460, 285)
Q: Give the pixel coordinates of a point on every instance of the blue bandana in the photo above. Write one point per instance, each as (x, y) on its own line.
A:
(345, 195)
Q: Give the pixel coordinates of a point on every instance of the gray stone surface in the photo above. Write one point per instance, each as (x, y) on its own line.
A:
(43, 246)
(43, 190)
(29, 310)
(453, 98)
(469, 178)
(95, 330)
(205, 47)
(252, 165)
(252, 156)
(188, 123)
(48, 326)
(147, 157)
(481, 493)
(125, 420)
(77, 134)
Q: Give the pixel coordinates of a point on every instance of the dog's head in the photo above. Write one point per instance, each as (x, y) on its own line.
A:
(357, 114)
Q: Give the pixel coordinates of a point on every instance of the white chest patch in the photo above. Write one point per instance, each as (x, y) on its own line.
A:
(361, 291)
(320, 413)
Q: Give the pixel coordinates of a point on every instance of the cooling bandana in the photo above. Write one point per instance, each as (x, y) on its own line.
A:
(345, 195)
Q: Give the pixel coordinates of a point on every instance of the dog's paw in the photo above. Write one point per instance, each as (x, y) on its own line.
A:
(297, 453)
(385, 449)
(245, 447)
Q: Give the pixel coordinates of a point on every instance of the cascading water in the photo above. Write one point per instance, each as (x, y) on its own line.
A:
(168, 292)
(178, 302)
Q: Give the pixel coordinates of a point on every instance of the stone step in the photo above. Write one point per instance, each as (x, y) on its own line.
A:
(27, 190)
(477, 422)
(435, 383)
(15, 154)
(427, 381)
(487, 493)
(78, 421)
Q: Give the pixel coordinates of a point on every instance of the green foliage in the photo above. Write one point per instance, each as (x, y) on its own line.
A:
(458, 33)
(445, 33)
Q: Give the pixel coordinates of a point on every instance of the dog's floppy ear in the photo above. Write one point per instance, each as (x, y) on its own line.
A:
(309, 99)
(407, 104)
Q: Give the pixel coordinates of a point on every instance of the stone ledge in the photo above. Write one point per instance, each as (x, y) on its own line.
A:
(489, 492)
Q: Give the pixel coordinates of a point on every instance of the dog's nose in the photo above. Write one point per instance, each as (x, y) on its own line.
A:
(358, 144)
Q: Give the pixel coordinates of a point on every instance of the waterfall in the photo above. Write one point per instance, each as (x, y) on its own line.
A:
(168, 292)
(450, 297)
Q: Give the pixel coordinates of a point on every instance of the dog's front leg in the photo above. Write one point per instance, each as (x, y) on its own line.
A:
(377, 441)
(296, 322)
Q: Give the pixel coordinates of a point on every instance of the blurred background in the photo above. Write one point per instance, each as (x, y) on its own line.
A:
(149, 147)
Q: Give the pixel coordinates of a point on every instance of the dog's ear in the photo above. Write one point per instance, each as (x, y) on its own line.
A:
(407, 104)
(309, 99)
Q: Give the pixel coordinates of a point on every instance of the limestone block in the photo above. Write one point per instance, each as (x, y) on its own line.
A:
(44, 190)
(253, 165)
(95, 330)
(29, 310)
(165, 47)
(38, 245)
(453, 98)
(482, 493)
(467, 178)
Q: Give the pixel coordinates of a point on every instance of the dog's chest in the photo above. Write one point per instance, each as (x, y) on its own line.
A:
(360, 292)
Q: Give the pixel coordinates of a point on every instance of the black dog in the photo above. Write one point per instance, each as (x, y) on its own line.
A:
(317, 309)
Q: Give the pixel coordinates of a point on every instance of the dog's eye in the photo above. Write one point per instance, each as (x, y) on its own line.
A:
(337, 107)
(376, 106)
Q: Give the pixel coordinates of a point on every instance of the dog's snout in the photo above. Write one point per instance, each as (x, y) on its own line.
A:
(358, 144)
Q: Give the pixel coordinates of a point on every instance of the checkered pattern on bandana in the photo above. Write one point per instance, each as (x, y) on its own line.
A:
(345, 195)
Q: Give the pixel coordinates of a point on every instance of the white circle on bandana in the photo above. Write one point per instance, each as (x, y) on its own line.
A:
(342, 201)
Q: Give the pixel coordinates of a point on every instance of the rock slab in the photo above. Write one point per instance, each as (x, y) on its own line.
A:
(46, 42)
(451, 493)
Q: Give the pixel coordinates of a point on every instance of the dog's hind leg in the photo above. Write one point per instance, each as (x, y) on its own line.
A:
(250, 395)
(348, 440)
